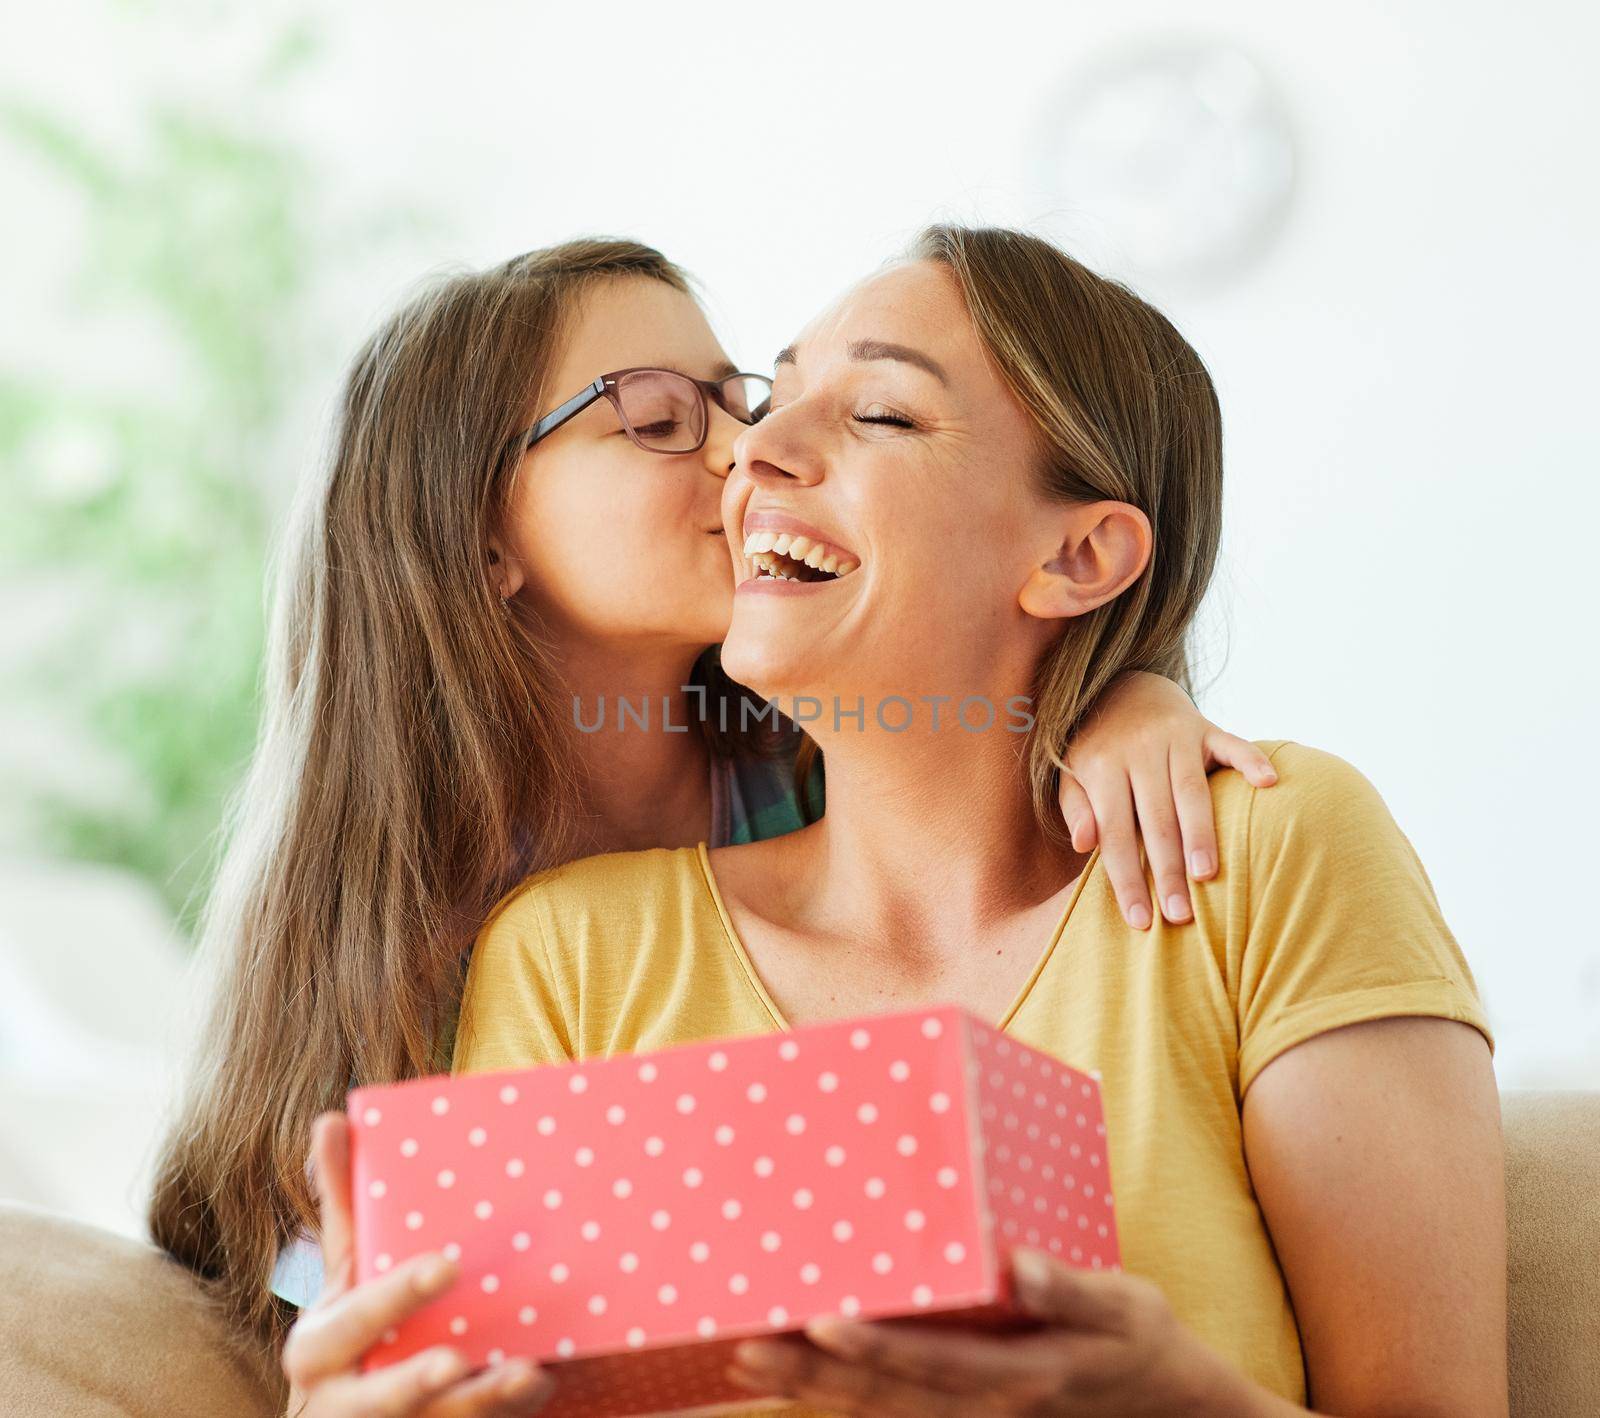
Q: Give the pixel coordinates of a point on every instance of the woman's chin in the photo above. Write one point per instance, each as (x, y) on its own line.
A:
(775, 672)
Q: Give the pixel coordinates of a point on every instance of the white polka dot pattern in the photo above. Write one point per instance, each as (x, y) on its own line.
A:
(629, 1219)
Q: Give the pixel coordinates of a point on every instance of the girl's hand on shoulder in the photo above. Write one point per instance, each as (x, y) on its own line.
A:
(322, 1355)
(1139, 765)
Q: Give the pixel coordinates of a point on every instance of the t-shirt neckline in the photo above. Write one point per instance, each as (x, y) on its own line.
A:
(752, 976)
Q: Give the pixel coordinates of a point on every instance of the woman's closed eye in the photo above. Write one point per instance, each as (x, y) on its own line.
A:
(878, 413)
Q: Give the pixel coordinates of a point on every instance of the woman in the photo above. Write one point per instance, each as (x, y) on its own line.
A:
(458, 587)
(1022, 461)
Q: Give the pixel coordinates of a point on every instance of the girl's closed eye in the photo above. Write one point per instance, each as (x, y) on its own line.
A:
(661, 428)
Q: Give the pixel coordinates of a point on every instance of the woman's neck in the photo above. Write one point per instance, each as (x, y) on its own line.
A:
(929, 835)
(644, 762)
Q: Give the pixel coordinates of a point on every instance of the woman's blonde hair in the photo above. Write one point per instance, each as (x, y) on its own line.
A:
(414, 763)
(1125, 411)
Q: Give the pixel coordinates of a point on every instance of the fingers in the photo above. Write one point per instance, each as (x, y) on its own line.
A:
(1076, 812)
(816, 1378)
(1119, 847)
(1079, 1299)
(1163, 842)
(1225, 750)
(330, 1152)
(396, 1391)
(326, 1344)
(1197, 819)
(944, 1358)
(330, 1338)
(1164, 805)
(507, 1390)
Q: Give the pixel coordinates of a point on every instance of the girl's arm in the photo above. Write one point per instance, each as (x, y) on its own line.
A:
(1137, 767)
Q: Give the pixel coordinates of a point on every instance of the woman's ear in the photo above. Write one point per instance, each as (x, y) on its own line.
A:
(1101, 551)
(505, 571)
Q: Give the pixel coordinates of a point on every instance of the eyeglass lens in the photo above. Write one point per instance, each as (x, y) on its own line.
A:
(666, 413)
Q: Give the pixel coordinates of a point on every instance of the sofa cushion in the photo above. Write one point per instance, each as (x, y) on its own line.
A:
(95, 1325)
(1553, 1220)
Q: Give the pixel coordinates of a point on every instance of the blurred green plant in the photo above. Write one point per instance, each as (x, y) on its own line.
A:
(138, 525)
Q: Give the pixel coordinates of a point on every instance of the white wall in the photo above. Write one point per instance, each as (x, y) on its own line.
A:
(1406, 374)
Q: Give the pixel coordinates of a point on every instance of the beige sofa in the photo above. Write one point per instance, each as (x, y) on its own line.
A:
(96, 1326)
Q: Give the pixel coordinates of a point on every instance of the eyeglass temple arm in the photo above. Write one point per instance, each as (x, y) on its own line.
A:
(559, 415)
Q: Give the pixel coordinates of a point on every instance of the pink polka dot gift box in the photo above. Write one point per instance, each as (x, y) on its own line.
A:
(626, 1221)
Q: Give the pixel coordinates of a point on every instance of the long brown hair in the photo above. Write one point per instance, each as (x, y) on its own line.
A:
(1125, 411)
(414, 764)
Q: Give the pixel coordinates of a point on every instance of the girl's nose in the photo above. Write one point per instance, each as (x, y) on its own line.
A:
(721, 436)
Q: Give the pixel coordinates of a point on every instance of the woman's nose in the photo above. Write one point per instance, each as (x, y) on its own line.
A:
(772, 451)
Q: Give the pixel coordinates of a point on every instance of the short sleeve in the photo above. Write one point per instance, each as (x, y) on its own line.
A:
(510, 1012)
(1341, 921)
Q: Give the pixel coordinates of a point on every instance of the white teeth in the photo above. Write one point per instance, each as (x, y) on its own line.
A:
(774, 555)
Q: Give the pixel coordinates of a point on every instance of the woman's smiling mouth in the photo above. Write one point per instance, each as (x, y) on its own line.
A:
(796, 558)
(784, 551)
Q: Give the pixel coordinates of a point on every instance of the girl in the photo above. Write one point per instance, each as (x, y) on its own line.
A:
(470, 584)
(1017, 466)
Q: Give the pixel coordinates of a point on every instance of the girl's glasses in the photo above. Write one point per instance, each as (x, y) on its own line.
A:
(661, 410)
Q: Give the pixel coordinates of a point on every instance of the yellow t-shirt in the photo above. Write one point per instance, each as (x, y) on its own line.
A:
(1320, 916)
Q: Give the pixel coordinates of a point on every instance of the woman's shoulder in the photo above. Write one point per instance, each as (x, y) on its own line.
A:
(1319, 854)
(1331, 916)
(1316, 791)
(1322, 830)
(605, 883)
